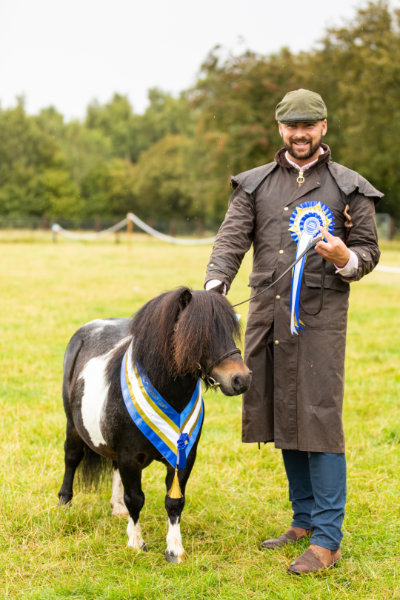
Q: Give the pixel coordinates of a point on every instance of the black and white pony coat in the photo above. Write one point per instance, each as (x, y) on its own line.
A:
(178, 337)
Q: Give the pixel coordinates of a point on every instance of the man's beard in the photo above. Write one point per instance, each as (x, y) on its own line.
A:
(291, 148)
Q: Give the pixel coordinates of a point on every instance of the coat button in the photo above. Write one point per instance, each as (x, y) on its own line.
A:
(281, 251)
(286, 208)
(276, 342)
(278, 297)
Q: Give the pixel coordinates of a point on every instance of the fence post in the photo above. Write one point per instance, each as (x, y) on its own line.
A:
(129, 228)
(54, 230)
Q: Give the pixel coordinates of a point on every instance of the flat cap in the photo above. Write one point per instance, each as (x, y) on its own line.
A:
(301, 106)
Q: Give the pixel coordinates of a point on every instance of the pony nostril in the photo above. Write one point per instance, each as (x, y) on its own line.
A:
(239, 384)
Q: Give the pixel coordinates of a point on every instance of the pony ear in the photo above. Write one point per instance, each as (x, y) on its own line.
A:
(185, 298)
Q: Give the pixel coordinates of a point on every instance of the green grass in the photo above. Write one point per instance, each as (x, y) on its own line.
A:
(237, 494)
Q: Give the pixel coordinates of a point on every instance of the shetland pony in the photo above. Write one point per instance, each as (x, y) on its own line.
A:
(179, 337)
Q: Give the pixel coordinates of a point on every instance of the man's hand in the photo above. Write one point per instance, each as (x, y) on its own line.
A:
(333, 250)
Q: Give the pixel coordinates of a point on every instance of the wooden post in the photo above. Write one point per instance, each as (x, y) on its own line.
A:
(54, 231)
(129, 228)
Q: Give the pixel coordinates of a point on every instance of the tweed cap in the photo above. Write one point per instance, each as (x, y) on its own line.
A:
(301, 106)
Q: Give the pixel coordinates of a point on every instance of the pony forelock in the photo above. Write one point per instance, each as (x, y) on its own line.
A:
(179, 330)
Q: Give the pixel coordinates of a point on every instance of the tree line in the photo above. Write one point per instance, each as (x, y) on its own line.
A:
(174, 160)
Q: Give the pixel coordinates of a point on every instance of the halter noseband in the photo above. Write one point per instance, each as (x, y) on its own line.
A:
(205, 372)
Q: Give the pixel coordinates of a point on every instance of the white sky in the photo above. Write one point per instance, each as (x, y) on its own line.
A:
(68, 53)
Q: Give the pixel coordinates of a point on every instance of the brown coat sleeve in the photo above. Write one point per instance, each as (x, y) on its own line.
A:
(363, 237)
(362, 198)
(233, 239)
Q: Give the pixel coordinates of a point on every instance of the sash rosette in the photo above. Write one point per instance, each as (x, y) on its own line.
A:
(171, 433)
(304, 225)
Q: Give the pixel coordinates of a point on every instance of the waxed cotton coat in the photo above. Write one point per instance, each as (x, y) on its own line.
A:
(296, 394)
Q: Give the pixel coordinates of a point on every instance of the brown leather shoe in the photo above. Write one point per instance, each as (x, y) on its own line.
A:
(292, 535)
(315, 558)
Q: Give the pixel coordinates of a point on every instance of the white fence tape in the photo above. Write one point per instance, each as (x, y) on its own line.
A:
(387, 269)
(157, 234)
(167, 238)
(57, 229)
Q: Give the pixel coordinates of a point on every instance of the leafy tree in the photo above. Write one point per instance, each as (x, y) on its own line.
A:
(27, 153)
(358, 71)
(52, 193)
(161, 181)
(84, 149)
(113, 120)
(108, 189)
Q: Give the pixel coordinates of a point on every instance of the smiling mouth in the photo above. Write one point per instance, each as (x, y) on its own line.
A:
(301, 146)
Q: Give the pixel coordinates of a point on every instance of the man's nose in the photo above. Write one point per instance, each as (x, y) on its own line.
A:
(300, 132)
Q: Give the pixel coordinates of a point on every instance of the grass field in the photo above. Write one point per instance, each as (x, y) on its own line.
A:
(237, 494)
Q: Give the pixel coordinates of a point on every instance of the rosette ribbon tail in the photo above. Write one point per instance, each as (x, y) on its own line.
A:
(181, 444)
(305, 223)
(175, 490)
(297, 275)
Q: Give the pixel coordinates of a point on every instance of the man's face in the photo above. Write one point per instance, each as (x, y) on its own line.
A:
(302, 140)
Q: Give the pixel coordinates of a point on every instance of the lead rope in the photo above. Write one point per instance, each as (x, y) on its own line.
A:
(313, 243)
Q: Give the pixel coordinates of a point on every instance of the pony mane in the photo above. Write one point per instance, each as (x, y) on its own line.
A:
(180, 329)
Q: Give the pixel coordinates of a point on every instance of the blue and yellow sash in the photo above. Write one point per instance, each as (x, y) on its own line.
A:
(305, 222)
(171, 433)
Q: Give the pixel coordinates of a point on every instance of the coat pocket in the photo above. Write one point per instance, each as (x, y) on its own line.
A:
(324, 307)
(261, 308)
(331, 282)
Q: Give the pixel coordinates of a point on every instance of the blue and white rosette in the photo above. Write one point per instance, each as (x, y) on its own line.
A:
(304, 225)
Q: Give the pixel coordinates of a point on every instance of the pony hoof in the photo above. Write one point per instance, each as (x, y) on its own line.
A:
(172, 558)
(143, 547)
(65, 501)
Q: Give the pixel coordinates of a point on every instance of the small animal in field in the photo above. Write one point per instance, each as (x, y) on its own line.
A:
(132, 393)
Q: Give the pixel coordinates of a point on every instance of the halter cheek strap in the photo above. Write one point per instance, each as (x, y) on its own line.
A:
(205, 372)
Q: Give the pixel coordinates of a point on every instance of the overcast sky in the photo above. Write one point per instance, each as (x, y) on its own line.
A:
(68, 53)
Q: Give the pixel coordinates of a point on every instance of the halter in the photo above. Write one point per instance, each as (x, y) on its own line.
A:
(205, 372)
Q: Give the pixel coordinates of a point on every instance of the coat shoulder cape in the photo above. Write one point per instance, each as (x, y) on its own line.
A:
(348, 181)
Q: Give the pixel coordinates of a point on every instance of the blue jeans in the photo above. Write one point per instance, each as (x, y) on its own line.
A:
(317, 491)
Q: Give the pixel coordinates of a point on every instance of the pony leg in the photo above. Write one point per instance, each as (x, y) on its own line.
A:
(73, 454)
(174, 507)
(117, 498)
(131, 477)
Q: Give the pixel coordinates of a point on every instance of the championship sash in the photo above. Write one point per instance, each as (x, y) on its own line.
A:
(305, 222)
(171, 433)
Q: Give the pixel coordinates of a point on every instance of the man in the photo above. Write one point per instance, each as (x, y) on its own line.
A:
(295, 336)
